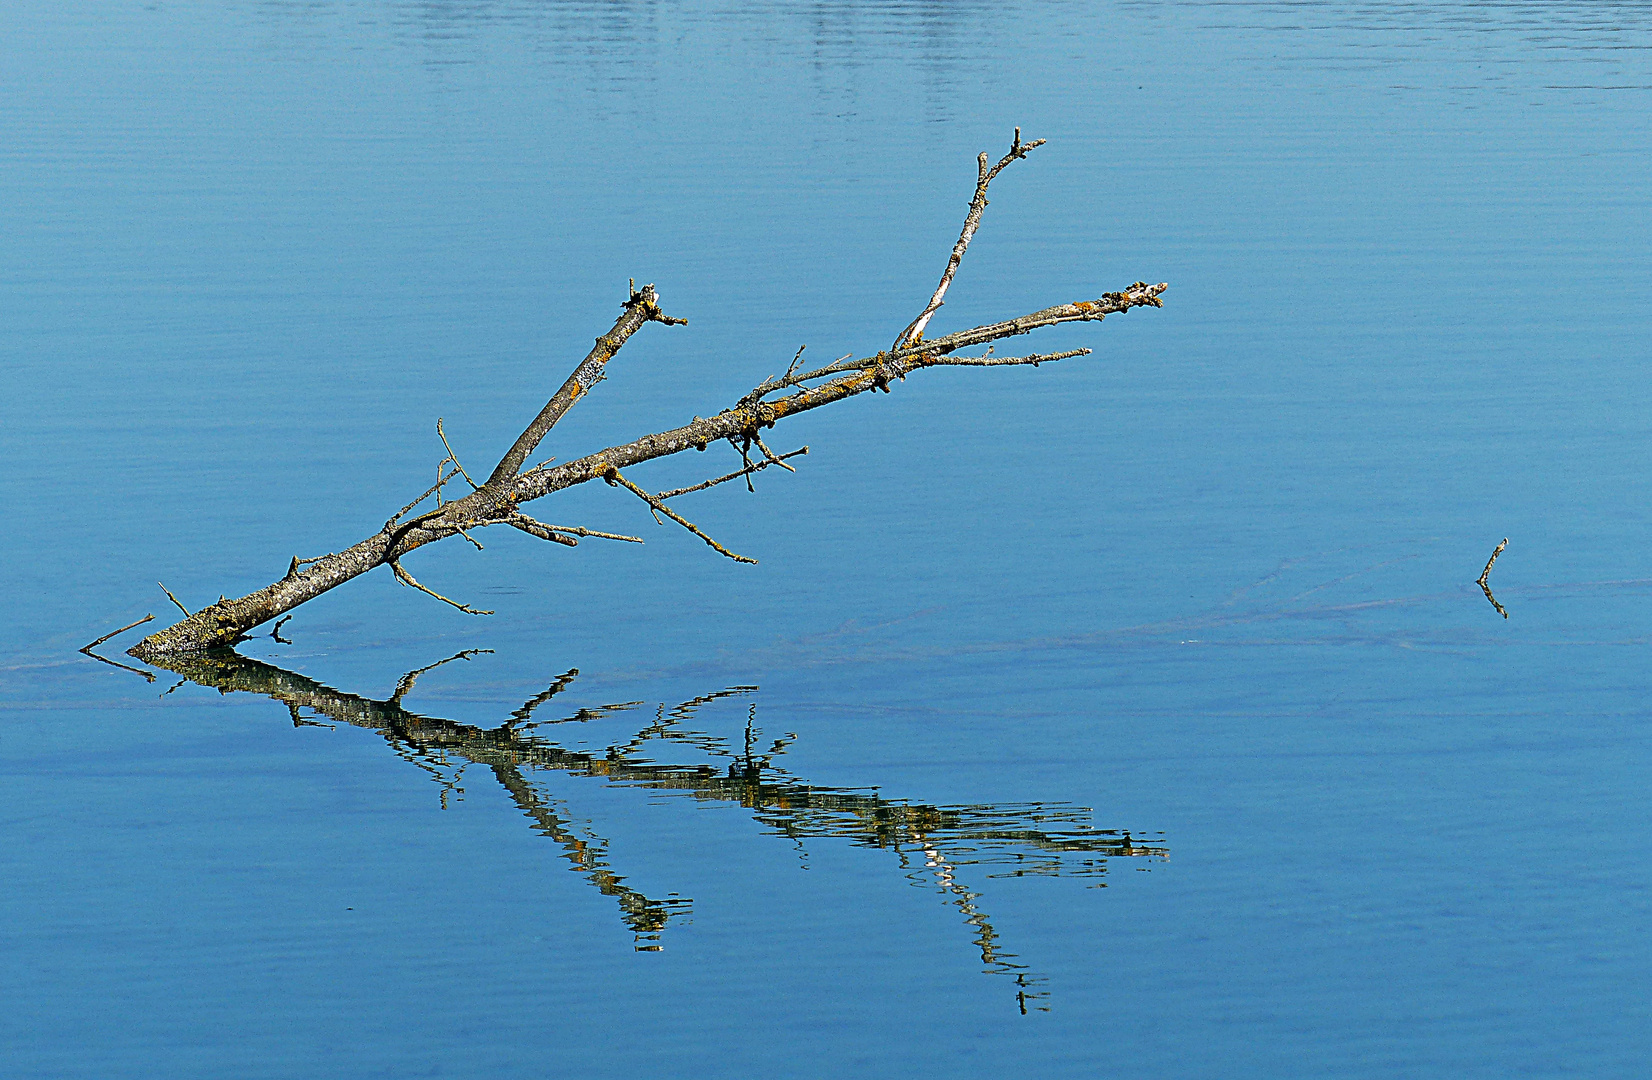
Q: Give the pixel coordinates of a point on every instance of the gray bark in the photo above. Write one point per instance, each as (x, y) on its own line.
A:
(498, 501)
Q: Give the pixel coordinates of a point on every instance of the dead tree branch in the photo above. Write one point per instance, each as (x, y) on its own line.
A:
(498, 500)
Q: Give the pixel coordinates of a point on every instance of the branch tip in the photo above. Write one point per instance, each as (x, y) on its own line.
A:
(408, 579)
(613, 476)
(451, 456)
(87, 649)
(174, 599)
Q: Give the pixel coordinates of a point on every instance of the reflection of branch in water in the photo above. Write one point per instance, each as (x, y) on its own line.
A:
(1012, 840)
(645, 917)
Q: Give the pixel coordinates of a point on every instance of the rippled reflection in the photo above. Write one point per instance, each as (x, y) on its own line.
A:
(935, 846)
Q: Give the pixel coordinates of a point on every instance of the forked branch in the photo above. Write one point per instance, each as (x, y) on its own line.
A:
(972, 221)
(499, 499)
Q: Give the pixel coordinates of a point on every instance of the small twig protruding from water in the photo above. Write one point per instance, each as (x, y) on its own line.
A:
(1486, 573)
(275, 631)
(87, 649)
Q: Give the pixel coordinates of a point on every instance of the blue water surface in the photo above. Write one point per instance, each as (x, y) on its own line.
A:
(1136, 715)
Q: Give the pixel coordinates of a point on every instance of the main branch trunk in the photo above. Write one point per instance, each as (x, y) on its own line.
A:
(496, 502)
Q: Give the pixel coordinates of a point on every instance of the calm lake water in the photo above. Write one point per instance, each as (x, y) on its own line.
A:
(1135, 716)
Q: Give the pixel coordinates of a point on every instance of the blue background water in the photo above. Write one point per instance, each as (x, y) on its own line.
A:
(1213, 583)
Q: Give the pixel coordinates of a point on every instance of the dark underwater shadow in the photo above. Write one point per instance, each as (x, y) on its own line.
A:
(931, 843)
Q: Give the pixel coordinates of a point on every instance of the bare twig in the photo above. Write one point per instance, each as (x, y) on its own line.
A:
(87, 649)
(174, 599)
(541, 530)
(614, 476)
(451, 456)
(737, 474)
(437, 486)
(563, 534)
(112, 633)
(275, 631)
(1000, 361)
(771, 384)
(972, 221)
(769, 454)
(408, 579)
(836, 367)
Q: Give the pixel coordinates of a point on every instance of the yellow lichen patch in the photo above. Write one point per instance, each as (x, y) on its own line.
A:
(1085, 305)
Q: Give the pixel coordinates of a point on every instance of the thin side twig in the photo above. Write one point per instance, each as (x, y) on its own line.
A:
(451, 456)
(737, 474)
(529, 525)
(174, 599)
(437, 486)
(769, 454)
(408, 579)
(745, 457)
(112, 633)
(613, 477)
(996, 361)
(539, 529)
(771, 384)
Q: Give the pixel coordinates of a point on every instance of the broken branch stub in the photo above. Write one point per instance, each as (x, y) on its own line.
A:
(499, 499)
